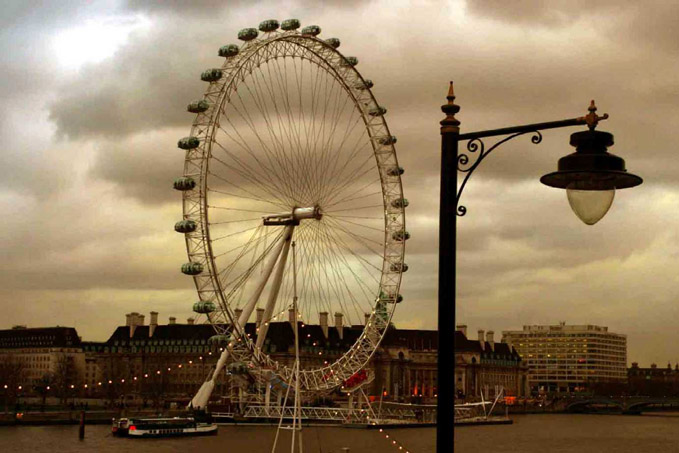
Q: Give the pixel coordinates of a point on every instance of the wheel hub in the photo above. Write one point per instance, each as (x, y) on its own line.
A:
(294, 217)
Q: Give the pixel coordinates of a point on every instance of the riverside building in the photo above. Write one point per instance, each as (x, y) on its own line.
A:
(28, 354)
(483, 367)
(570, 358)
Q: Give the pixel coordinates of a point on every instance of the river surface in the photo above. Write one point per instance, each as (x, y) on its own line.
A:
(544, 433)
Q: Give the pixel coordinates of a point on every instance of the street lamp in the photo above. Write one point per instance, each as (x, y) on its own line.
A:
(590, 177)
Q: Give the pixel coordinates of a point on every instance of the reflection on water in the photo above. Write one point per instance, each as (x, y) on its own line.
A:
(566, 433)
(543, 433)
(231, 439)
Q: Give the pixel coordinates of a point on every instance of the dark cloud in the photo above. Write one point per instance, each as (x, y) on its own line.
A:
(211, 7)
(559, 13)
(144, 86)
(143, 166)
(648, 25)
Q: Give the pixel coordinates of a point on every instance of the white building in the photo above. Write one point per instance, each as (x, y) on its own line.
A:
(564, 358)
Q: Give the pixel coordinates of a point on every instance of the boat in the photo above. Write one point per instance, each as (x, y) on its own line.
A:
(162, 427)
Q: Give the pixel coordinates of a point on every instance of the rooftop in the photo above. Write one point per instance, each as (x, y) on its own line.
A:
(40, 337)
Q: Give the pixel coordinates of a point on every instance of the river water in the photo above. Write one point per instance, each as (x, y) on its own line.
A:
(544, 433)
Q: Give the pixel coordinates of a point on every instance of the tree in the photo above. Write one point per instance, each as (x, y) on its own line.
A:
(66, 376)
(44, 386)
(12, 376)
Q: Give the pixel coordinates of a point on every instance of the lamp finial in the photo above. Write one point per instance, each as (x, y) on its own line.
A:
(592, 119)
(450, 124)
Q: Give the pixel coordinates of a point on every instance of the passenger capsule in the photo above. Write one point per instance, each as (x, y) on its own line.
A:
(398, 267)
(388, 140)
(184, 183)
(395, 171)
(377, 111)
(211, 75)
(365, 85)
(390, 298)
(185, 226)
(290, 24)
(198, 106)
(333, 42)
(248, 34)
(216, 339)
(237, 368)
(192, 268)
(400, 235)
(188, 142)
(204, 307)
(400, 203)
(349, 61)
(312, 30)
(229, 50)
(269, 25)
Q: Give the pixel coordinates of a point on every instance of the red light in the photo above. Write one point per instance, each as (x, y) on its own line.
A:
(132, 428)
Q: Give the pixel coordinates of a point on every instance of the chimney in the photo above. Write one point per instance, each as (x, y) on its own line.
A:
(153, 323)
(339, 325)
(507, 340)
(482, 340)
(490, 338)
(172, 321)
(367, 318)
(141, 320)
(128, 319)
(291, 316)
(134, 322)
(238, 312)
(462, 328)
(324, 322)
(189, 321)
(260, 316)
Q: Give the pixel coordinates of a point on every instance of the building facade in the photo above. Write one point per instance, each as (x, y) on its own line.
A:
(40, 362)
(570, 358)
(483, 366)
(653, 381)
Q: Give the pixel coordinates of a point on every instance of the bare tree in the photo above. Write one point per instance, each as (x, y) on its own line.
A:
(66, 376)
(12, 375)
(43, 387)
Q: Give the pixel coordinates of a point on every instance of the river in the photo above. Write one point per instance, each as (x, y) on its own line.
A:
(544, 433)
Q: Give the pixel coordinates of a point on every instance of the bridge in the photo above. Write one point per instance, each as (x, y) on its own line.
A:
(626, 405)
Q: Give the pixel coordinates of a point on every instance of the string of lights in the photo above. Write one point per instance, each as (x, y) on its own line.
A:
(393, 442)
(134, 379)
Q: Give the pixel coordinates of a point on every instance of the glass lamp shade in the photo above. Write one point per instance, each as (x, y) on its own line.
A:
(590, 205)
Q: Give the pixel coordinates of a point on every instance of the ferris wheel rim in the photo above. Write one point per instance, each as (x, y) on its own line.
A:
(210, 288)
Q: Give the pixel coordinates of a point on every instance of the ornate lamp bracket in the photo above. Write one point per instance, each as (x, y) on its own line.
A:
(477, 152)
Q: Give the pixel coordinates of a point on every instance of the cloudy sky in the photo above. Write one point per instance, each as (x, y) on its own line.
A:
(94, 97)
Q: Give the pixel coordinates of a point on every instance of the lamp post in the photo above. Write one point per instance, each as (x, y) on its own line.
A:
(590, 176)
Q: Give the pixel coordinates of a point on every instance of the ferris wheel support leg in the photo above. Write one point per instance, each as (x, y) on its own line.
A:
(202, 397)
(275, 288)
(252, 303)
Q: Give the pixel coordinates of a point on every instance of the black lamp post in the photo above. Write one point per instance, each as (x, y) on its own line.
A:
(590, 176)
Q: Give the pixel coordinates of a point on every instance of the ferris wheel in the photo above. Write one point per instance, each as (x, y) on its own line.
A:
(292, 192)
